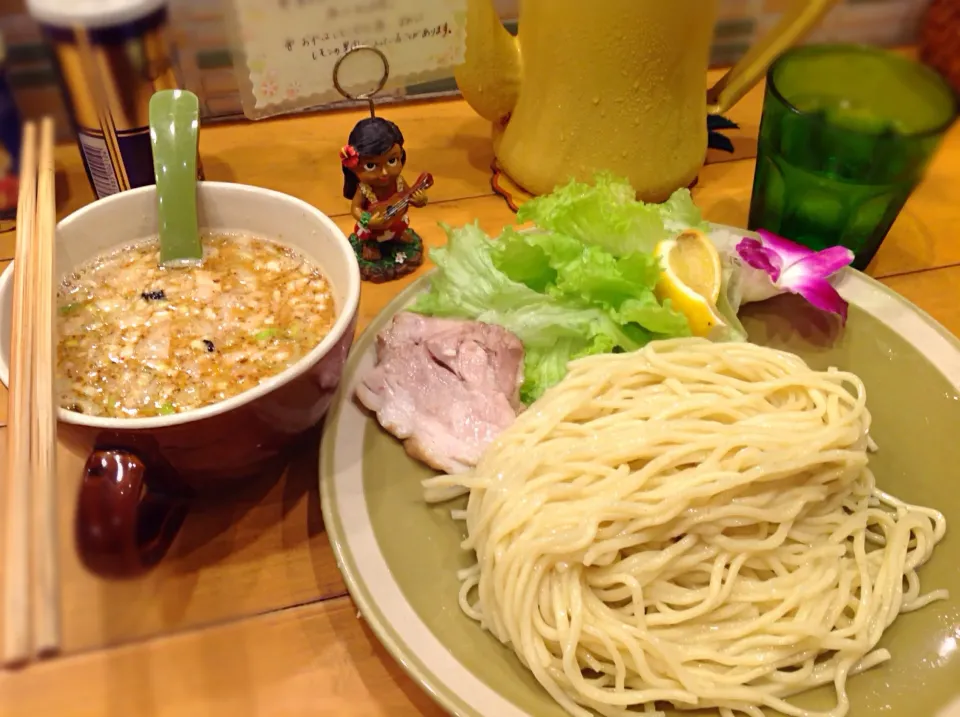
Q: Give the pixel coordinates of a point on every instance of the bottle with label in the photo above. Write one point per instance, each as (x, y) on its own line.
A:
(112, 55)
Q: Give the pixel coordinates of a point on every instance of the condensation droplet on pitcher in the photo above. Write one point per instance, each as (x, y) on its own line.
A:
(596, 100)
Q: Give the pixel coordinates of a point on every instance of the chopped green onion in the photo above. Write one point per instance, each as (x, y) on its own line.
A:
(167, 409)
(265, 334)
(69, 308)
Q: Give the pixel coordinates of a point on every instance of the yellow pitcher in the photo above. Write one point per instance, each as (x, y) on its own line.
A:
(612, 85)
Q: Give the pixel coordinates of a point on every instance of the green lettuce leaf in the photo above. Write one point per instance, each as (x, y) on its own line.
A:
(561, 298)
(570, 271)
(582, 283)
(469, 285)
(545, 367)
(679, 213)
(608, 215)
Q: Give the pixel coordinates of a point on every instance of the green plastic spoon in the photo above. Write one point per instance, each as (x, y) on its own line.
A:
(174, 128)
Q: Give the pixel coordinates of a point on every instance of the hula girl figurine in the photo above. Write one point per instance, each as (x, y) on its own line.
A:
(385, 245)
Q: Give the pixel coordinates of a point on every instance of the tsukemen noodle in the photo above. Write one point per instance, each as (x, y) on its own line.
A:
(138, 340)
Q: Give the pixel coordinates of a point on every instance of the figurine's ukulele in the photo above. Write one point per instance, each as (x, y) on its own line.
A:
(398, 202)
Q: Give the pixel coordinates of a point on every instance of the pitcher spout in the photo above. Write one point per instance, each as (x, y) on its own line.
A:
(489, 77)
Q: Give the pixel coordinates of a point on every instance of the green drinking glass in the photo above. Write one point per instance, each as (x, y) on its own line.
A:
(846, 134)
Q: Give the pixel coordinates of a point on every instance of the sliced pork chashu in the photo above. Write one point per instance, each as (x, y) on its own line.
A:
(445, 387)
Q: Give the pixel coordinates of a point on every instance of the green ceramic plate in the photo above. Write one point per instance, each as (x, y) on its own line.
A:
(399, 556)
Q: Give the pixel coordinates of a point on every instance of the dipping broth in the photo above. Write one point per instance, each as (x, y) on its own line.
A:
(136, 340)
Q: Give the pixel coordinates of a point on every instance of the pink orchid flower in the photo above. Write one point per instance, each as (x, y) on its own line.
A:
(784, 266)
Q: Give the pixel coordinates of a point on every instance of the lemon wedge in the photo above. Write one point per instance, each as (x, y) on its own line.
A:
(690, 277)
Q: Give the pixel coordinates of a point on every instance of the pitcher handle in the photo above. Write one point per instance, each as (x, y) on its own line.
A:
(796, 22)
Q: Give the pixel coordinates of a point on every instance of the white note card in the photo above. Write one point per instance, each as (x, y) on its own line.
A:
(285, 50)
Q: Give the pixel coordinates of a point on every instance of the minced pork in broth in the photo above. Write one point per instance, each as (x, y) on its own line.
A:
(136, 340)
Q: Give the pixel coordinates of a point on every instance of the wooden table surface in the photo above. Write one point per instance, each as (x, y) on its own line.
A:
(248, 614)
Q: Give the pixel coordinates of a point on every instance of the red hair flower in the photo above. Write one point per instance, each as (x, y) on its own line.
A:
(349, 157)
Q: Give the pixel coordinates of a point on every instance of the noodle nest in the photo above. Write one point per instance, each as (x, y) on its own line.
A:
(690, 526)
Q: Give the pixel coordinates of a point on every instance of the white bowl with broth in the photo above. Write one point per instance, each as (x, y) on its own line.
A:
(176, 453)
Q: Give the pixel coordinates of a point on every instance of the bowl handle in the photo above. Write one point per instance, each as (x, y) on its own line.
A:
(123, 526)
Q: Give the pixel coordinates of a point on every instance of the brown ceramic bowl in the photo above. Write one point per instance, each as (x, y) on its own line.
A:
(142, 472)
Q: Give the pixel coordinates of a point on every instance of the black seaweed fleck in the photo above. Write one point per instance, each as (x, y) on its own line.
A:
(209, 344)
(154, 295)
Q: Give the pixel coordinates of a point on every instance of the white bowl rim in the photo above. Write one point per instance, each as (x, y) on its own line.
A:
(344, 319)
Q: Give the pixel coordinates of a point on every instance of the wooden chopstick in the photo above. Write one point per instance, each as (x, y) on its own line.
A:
(16, 609)
(31, 581)
(46, 574)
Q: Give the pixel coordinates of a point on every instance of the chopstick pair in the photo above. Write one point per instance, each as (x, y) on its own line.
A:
(31, 609)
